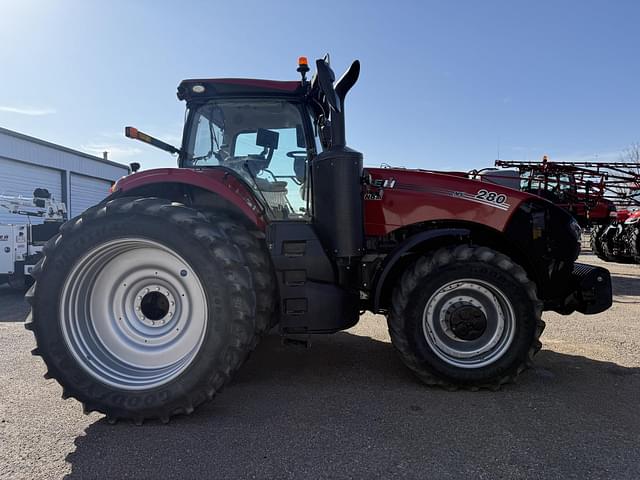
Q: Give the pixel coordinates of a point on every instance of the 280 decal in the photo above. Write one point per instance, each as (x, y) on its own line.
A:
(493, 197)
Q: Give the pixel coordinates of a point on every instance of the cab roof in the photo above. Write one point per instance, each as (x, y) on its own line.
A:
(196, 89)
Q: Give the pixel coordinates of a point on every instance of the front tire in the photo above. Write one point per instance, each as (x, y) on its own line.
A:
(596, 241)
(607, 240)
(142, 309)
(466, 316)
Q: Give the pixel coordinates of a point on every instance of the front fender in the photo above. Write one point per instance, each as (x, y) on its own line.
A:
(391, 260)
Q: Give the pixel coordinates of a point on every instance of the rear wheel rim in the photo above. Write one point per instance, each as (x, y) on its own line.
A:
(133, 313)
(487, 335)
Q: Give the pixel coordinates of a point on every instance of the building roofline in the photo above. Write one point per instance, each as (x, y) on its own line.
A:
(39, 141)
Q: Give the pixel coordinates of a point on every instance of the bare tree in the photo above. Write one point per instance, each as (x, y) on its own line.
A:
(631, 156)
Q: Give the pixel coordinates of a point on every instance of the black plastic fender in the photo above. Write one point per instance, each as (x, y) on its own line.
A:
(406, 246)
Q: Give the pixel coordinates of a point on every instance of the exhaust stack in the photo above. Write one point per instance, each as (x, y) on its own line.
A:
(337, 174)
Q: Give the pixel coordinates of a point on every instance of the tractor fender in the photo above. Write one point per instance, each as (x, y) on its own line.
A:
(219, 181)
(408, 245)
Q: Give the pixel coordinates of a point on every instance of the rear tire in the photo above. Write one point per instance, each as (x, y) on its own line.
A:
(252, 244)
(466, 316)
(126, 355)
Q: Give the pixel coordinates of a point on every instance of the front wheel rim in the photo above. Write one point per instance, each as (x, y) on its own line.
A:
(476, 343)
(133, 313)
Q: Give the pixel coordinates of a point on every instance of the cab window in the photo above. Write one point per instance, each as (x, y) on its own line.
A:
(264, 142)
(287, 167)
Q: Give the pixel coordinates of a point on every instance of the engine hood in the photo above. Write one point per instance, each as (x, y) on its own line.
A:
(396, 197)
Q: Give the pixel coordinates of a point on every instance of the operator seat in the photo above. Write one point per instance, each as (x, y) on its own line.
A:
(250, 166)
(275, 193)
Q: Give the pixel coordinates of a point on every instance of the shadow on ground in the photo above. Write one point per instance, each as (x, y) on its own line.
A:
(627, 285)
(13, 307)
(348, 408)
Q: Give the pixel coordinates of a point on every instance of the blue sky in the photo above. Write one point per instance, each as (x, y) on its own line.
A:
(444, 84)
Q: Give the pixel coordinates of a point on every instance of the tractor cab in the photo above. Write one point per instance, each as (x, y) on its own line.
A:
(267, 142)
(266, 133)
(558, 188)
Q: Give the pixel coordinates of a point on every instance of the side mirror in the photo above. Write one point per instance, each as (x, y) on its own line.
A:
(41, 193)
(267, 138)
(134, 166)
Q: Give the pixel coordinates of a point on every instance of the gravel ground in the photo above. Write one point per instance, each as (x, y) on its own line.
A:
(348, 408)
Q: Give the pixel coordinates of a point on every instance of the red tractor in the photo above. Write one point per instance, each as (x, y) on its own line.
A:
(620, 240)
(581, 191)
(146, 305)
(599, 195)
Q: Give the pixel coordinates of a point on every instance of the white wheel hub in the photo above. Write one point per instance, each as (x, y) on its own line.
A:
(134, 313)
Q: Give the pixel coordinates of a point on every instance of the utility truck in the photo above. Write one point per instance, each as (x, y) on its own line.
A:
(21, 244)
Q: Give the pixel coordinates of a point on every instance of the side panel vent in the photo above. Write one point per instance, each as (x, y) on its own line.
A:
(295, 306)
(294, 248)
(293, 278)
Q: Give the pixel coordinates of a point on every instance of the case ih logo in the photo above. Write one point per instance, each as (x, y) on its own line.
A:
(380, 184)
(384, 182)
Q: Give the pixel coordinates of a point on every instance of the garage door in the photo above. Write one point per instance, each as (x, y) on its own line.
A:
(86, 192)
(18, 178)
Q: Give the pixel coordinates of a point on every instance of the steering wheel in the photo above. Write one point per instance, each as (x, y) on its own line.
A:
(296, 154)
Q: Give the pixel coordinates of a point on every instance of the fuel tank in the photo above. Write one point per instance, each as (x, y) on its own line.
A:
(395, 197)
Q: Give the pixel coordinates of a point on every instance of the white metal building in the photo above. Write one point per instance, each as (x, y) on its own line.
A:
(78, 179)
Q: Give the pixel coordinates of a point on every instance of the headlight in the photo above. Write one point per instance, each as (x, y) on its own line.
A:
(631, 220)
